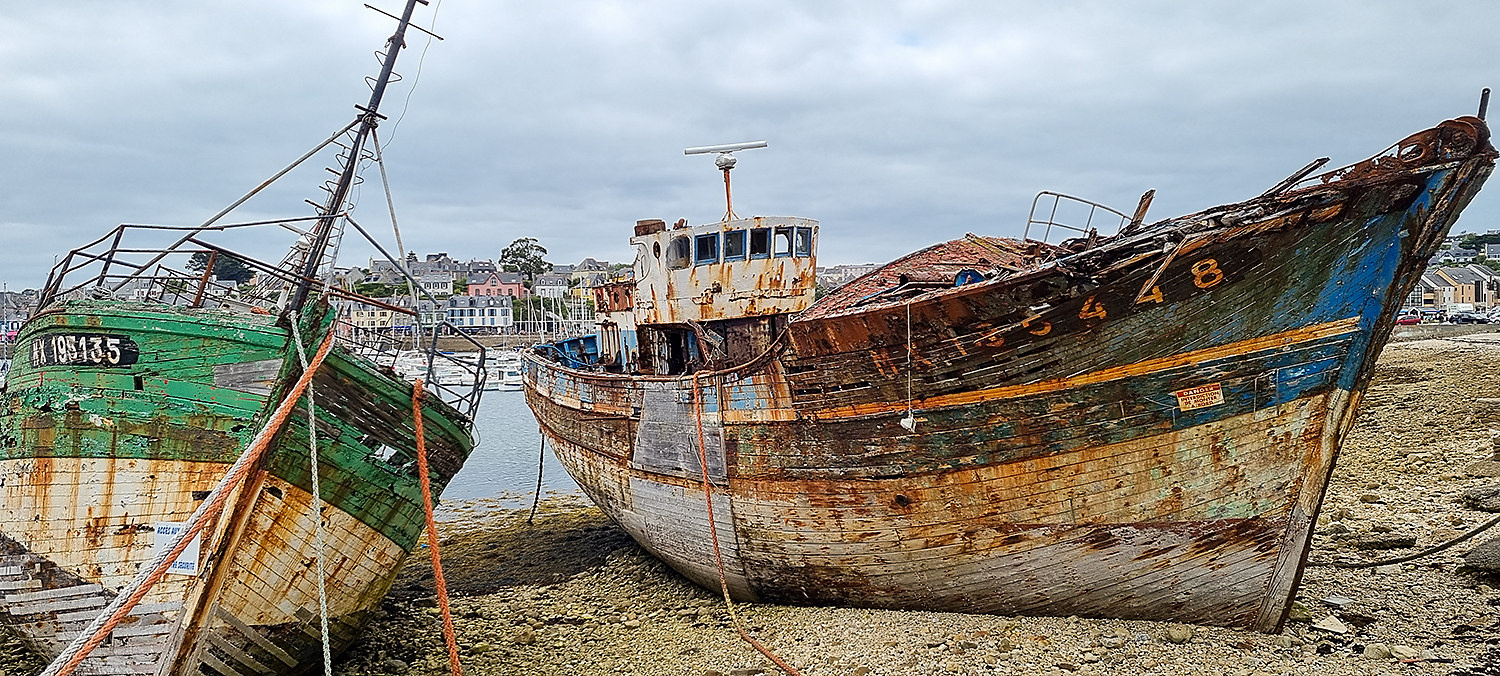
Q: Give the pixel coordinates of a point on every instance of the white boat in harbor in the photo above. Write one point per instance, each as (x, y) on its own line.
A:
(503, 372)
(510, 379)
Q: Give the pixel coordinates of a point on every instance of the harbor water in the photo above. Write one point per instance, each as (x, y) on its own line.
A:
(504, 462)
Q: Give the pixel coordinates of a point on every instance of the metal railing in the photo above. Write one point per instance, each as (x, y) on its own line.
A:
(131, 264)
(1093, 215)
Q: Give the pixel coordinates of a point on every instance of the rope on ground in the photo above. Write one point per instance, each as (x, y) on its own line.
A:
(1412, 557)
(317, 504)
(432, 537)
(540, 460)
(713, 534)
(97, 631)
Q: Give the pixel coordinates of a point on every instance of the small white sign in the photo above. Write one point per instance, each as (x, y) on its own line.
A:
(187, 562)
(1202, 396)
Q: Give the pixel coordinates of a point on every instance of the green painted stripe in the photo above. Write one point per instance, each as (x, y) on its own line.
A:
(178, 414)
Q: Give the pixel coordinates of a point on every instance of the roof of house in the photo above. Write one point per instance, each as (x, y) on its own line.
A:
(1433, 280)
(1462, 275)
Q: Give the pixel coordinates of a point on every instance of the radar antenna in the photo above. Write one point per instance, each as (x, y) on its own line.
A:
(725, 162)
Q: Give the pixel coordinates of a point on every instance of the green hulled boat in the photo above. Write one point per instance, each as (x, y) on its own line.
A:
(138, 384)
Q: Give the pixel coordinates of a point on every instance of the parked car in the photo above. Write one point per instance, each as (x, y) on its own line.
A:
(1408, 320)
(1468, 318)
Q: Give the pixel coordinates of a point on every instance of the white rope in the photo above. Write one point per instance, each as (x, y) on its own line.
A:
(317, 503)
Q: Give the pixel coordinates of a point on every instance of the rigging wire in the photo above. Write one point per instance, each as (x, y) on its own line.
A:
(400, 248)
(418, 77)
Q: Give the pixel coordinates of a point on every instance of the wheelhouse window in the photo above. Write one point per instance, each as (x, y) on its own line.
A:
(679, 253)
(707, 249)
(760, 243)
(802, 243)
(734, 245)
(781, 244)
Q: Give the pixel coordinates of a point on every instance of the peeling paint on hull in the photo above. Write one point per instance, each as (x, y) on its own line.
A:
(94, 458)
(1142, 427)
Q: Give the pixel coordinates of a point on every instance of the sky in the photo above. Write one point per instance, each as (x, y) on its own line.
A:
(894, 124)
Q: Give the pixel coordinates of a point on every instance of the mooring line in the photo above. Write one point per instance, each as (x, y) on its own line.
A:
(1412, 557)
(713, 534)
(432, 535)
(541, 458)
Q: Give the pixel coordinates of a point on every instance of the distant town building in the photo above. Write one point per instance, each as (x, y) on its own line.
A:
(584, 289)
(586, 269)
(1469, 286)
(438, 284)
(838, 275)
(498, 284)
(481, 314)
(1458, 255)
(1437, 291)
(370, 317)
(15, 307)
(550, 286)
(1444, 288)
(384, 272)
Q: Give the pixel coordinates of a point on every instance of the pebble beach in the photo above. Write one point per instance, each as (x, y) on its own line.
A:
(569, 593)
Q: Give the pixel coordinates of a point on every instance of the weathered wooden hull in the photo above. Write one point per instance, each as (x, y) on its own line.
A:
(1140, 430)
(96, 457)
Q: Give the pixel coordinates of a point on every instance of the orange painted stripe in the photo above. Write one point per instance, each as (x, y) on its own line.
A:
(1279, 340)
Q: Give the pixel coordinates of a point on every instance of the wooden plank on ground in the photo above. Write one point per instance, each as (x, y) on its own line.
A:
(217, 664)
(141, 610)
(62, 592)
(239, 655)
(120, 649)
(144, 630)
(65, 604)
(254, 635)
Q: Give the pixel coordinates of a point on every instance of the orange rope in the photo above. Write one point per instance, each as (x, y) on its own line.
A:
(713, 533)
(432, 539)
(211, 510)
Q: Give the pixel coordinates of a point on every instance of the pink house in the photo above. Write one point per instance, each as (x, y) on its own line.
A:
(499, 284)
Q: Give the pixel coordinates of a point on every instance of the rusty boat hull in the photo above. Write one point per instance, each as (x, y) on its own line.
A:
(98, 457)
(1137, 426)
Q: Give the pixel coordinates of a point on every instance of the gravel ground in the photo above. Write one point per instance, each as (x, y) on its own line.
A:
(571, 594)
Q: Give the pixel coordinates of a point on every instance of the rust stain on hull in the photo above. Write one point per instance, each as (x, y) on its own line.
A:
(1139, 425)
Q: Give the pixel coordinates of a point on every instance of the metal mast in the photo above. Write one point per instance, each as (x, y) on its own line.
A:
(369, 118)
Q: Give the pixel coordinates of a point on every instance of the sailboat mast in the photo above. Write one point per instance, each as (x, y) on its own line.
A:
(368, 120)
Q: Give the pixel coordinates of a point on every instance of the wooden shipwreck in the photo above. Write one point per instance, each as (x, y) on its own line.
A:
(142, 380)
(1137, 425)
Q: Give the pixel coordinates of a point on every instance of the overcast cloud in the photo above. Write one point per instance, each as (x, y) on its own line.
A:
(895, 124)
